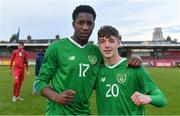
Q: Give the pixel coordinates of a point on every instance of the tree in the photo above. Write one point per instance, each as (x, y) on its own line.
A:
(175, 40)
(3, 41)
(13, 39)
(168, 38)
(29, 38)
(57, 37)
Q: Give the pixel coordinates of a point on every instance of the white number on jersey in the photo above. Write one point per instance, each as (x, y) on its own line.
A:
(83, 69)
(113, 91)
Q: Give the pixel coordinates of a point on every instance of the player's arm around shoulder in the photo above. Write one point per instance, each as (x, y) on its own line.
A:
(134, 61)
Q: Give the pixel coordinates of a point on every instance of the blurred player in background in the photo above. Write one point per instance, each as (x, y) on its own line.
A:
(122, 90)
(39, 60)
(20, 56)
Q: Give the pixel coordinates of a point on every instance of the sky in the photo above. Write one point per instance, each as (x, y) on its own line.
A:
(134, 19)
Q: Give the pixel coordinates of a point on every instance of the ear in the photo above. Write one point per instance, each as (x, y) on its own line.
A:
(93, 25)
(73, 24)
(119, 42)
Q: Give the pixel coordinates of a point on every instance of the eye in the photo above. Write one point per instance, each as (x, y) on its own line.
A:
(111, 40)
(90, 23)
(101, 41)
(80, 22)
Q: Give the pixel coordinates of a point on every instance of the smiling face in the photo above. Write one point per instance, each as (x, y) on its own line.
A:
(108, 46)
(83, 26)
(109, 40)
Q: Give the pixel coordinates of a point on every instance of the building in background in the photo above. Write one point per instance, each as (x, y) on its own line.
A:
(158, 34)
(158, 52)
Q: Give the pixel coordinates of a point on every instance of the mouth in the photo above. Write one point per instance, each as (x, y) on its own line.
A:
(107, 51)
(85, 34)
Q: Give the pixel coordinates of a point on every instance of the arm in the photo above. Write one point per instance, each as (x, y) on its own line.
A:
(155, 97)
(39, 61)
(48, 69)
(134, 61)
(64, 98)
(158, 98)
(11, 62)
(37, 66)
(151, 92)
(26, 62)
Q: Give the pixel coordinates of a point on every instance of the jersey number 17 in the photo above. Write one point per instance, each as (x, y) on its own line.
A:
(83, 69)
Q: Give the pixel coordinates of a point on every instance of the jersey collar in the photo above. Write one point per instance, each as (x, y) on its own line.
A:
(119, 62)
(77, 44)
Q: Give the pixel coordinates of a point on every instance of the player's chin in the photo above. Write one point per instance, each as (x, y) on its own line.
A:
(107, 55)
(85, 37)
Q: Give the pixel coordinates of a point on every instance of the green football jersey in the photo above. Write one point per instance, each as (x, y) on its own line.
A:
(70, 66)
(115, 86)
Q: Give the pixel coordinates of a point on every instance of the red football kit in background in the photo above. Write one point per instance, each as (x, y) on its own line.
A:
(20, 57)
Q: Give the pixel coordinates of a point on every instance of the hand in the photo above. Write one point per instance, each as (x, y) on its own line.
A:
(28, 72)
(134, 61)
(10, 71)
(139, 98)
(66, 97)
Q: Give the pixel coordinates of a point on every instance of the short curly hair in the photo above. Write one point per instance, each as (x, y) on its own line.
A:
(107, 31)
(22, 43)
(83, 8)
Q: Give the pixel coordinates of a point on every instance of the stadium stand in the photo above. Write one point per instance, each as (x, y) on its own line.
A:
(152, 54)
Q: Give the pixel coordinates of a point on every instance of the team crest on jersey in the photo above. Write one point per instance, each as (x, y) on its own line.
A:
(92, 59)
(103, 79)
(121, 78)
(20, 53)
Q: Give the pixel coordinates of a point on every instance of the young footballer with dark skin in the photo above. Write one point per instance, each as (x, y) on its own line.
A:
(71, 66)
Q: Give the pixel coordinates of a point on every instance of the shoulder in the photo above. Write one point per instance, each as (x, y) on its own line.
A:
(15, 52)
(60, 41)
(95, 50)
(25, 52)
(93, 45)
(56, 45)
(140, 71)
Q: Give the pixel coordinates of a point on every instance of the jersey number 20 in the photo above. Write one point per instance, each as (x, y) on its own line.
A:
(113, 90)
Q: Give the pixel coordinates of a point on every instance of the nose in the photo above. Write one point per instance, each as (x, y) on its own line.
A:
(106, 44)
(85, 26)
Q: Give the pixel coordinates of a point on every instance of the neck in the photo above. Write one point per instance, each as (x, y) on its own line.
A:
(113, 60)
(79, 41)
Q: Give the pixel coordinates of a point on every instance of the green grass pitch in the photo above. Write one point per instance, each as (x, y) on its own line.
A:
(168, 79)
